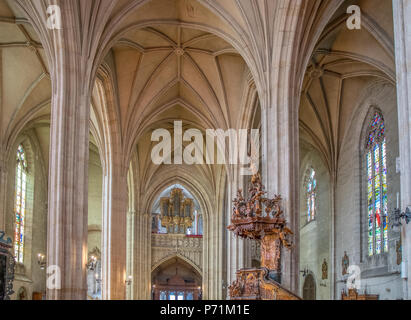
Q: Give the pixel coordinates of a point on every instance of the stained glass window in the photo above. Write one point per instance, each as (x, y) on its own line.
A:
(377, 204)
(311, 195)
(20, 203)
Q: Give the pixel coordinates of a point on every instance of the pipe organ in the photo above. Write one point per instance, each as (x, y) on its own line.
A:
(177, 212)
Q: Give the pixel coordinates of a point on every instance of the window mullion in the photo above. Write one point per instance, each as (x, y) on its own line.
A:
(374, 237)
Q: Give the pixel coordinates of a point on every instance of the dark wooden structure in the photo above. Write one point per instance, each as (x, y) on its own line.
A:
(7, 265)
(261, 219)
(178, 286)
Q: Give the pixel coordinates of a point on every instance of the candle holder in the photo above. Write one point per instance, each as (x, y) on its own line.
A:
(41, 260)
(129, 280)
(92, 263)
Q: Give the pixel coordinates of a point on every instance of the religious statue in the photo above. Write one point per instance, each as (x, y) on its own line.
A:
(345, 263)
(325, 270)
(22, 294)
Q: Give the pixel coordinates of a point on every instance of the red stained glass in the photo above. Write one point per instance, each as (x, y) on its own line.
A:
(20, 203)
(377, 186)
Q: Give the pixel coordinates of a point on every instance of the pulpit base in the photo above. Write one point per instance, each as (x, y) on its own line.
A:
(256, 284)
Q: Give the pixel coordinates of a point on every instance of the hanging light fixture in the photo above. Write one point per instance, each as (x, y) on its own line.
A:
(129, 280)
(397, 216)
(92, 263)
(41, 260)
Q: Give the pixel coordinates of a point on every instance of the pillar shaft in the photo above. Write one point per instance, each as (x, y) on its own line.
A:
(114, 234)
(402, 35)
(142, 256)
(68, 178)
(279, 172)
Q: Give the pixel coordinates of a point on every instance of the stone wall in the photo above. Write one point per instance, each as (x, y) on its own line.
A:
(315, 236)
(379, 274)
(165, 246)
(95, 201)
(29, 276)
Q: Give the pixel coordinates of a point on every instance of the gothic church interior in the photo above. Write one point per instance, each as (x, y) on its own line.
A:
(80, 194)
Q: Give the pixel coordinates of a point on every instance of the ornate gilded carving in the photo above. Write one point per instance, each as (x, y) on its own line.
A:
(165, 246)
(177, 212)
(354, 295)
(261, 219)
(254, 284)
(271, 252)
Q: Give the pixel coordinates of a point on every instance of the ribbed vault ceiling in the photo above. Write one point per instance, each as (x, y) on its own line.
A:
(26, 88)
(343, 64)
(161, 67)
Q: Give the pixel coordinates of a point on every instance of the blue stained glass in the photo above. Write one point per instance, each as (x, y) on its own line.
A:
(376, 164)
(20, 203)
(311, 195)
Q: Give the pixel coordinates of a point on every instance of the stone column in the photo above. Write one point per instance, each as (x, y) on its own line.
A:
(71, 42)
(130, 252)
(68, 181)
(402, 35)
(3, 190)
(235, 245)
(280, 176)
(114, 235)
(213, 250)
(142, 256)
(68, 173)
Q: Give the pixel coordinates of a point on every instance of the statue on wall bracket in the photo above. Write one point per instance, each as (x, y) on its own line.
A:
(324, 269)
(345, 263)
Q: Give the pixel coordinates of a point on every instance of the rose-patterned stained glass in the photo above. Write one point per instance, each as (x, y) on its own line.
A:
(376, 130)
(311, 195)
(377, 206)
(20, 203)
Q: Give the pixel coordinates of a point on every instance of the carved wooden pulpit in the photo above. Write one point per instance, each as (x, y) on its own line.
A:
(261, 219)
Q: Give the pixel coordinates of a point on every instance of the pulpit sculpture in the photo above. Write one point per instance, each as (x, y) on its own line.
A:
(261, 219)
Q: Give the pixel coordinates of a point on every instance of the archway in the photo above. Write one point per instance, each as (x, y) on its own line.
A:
(176, 279)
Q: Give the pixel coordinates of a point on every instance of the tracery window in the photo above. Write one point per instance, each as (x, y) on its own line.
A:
(311, 195)
(377, 204)
(20, 203)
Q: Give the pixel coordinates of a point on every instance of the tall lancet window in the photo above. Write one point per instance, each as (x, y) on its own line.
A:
(20, 203)
(311, 195)
(376, 162)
